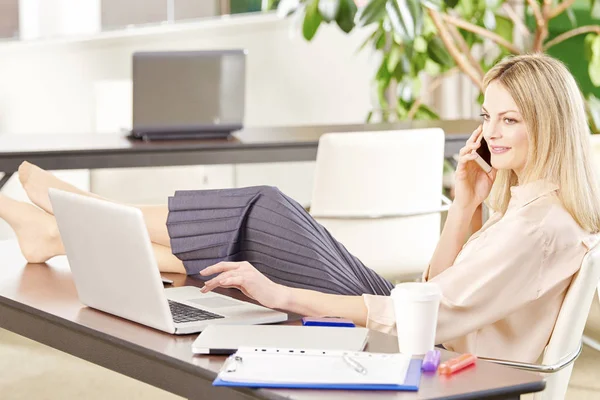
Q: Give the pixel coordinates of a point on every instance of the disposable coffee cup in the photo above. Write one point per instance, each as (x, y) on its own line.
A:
(416, 305)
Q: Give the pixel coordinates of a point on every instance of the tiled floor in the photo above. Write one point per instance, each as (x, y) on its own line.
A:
(29, 370)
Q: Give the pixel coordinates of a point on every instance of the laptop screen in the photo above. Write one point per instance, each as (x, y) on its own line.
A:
(188, 91)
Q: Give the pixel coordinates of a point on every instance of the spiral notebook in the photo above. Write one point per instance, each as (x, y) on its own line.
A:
(319, 369)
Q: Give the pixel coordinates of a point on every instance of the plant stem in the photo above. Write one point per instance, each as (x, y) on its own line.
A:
(541, 20)
(464, 47)
(432, 86)
(573, 32)
(536, 11)
(516, 19)
(451, 46)
(461, 23)
(559, 9)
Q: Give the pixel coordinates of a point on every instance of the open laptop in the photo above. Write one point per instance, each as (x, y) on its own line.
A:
(115, 271)
(188, 94)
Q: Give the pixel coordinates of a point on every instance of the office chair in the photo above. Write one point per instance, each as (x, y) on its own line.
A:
(566, 341)
(588, 341)
(380, 195)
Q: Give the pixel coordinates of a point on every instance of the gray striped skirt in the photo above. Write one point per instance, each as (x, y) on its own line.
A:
(271, 231)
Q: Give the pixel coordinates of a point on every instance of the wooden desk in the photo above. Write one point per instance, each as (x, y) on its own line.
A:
(39, 301)
(251, 145)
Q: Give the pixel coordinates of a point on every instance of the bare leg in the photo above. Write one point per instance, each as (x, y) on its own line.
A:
(36, 231)
(37, 181)
(39, 238)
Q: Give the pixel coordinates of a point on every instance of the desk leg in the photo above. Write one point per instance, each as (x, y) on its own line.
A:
(5, 178)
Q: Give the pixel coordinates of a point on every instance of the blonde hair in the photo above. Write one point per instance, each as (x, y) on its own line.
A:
(553, 109)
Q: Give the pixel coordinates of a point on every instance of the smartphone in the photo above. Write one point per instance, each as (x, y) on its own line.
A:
(484, 158)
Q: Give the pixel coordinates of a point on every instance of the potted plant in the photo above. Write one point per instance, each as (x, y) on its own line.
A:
(442, 37)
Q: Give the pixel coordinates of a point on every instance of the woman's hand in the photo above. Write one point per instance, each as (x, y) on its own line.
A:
(472, 183)
(243, 276)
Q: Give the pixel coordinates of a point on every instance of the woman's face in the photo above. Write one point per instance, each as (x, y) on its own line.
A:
(504, 129)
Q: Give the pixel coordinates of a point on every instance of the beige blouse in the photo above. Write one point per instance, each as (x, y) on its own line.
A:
(502, 295)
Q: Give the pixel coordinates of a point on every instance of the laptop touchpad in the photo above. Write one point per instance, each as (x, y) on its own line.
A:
(215, 302)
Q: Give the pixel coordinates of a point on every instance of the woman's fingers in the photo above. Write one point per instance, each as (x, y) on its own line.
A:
(474, 136)
(234, 281)
(469, 148)
(220, 267)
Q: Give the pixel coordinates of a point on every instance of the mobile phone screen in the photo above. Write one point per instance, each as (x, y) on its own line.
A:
(484, 152)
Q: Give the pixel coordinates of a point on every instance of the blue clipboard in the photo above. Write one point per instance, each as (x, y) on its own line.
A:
(411, 382)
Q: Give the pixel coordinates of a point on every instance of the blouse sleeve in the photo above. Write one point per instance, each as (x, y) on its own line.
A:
(500, 273)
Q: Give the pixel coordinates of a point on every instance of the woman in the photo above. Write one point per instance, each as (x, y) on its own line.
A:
(512, 272)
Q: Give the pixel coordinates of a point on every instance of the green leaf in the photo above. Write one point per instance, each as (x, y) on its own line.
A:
(372, 12)
(329, 9)
(394, 57)
(596, 47)
(587, 46)
(416, 13)
(489, 20)
(594, 71)
(428, 26)
(426, 113)
(438, 53)
(480, 98)
(287, 7)
(369, 116)
(345, 15)
(397, 21)
(593, 110)
(270, 5)
(504, 27)
(572, 18)
(432, 68)
(420, 45)
(451, 3)
(466, 8)
(381, 40)
(595, 9)
(405, 91)
(372, 38)
(312, 20)
(436, 5)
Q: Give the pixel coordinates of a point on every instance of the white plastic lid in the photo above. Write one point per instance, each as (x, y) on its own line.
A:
(418, 291)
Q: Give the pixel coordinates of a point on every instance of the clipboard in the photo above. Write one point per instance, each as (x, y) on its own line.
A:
(319, 369)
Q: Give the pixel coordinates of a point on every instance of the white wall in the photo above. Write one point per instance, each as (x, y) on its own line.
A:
(48, 87)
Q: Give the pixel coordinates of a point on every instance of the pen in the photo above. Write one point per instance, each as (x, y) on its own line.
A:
(354, 364)
(456, 364)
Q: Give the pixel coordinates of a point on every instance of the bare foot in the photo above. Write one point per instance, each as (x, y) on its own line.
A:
(36, 230)
(37, 181)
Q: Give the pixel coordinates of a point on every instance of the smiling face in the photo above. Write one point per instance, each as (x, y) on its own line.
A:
(504, 129)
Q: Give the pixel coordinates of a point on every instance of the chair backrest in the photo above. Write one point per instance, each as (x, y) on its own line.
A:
(570, 323)
(375, 173)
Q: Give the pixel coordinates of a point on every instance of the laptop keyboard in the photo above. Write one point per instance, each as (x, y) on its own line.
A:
(184, 313)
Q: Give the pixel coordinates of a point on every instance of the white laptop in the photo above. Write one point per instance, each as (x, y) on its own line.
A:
(115, 271)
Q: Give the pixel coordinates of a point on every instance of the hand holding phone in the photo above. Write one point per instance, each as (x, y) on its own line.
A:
(484, 159)
(474, 180)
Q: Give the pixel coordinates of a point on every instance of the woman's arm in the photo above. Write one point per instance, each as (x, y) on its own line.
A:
(243, 276)
(316, 304)
(472, 187)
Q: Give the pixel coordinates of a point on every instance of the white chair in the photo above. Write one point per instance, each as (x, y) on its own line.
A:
(588, 341)
(565, 343)
(379, 194)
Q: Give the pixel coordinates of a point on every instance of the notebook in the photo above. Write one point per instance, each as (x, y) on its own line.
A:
(319, 369)
(227, 339)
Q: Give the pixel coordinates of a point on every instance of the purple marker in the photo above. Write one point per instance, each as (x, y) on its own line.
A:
(431, 361)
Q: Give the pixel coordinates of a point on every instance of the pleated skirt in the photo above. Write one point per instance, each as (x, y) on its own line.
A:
(271, 231)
